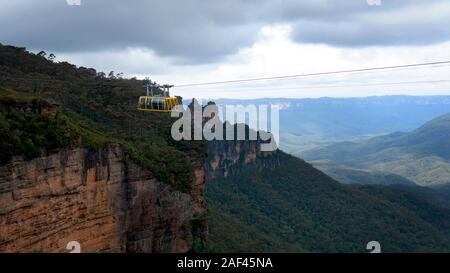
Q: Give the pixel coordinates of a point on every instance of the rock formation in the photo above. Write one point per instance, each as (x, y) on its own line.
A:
(99, 199)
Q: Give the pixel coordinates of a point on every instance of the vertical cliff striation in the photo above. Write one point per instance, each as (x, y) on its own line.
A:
(98, 198)
(226, 158)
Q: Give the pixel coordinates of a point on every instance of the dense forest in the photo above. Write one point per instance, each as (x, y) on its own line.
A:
(297, 208)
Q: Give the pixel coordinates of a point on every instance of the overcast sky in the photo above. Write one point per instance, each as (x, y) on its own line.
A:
(191, 41)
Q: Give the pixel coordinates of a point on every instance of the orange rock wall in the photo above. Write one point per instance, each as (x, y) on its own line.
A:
(96, 199)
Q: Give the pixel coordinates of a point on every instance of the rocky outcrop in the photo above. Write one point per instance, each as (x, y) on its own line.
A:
(226, 158)
(99, 199)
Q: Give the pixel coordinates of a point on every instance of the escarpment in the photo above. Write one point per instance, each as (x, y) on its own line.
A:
(97, 198)
(103, 200)
(78, 162)
(226, 158)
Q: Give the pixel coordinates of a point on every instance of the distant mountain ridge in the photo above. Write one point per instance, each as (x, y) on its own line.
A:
(422, 155)
(349, 175)
(310, 123)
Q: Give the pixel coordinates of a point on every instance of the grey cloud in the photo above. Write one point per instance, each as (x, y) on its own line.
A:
(187, 29)
(382, 27)
(201, 31)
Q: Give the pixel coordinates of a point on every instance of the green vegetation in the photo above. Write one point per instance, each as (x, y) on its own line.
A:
(25, 132)
(91, 107)
(349, 175)
(297, 208)
(421, 156)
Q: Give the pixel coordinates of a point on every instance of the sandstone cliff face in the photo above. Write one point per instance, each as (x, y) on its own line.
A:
(98, 199)
(226, 158)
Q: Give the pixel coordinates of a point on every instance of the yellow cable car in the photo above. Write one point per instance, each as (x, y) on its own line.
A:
(162, 104)
(157, 104)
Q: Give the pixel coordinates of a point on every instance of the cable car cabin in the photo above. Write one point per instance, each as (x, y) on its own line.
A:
(157, 104)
